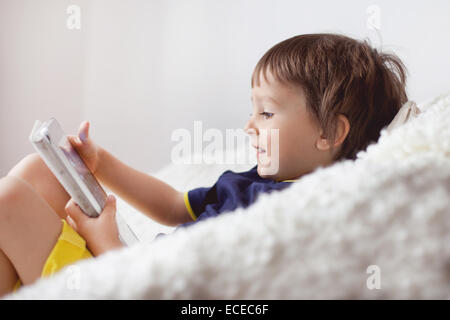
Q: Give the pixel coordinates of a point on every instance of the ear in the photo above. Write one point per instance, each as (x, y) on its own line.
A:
(342, 129)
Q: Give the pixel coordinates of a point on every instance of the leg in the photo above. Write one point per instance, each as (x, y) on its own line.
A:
(8, 275)
(33, 170)
(29, 228)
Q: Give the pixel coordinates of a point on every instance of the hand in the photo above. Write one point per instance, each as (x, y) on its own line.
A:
(86, 148)
(101, 233)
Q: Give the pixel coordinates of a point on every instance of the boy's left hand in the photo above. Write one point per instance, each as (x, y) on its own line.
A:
(101, 233)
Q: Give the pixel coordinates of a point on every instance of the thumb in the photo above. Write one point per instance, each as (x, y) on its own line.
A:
(110, 207)
(83, 131)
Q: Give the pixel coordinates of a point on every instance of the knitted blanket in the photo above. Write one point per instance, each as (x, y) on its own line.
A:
(376, 227)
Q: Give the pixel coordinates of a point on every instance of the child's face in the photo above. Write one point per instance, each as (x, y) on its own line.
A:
(283, 107)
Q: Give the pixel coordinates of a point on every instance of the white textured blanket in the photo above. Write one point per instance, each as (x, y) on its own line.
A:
(377, 227)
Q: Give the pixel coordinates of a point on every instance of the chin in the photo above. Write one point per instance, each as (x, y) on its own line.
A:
(266, 172)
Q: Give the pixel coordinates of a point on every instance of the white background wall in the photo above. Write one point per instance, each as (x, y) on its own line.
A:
(139, 69)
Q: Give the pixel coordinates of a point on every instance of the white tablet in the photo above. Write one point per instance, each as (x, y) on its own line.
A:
(63, 160)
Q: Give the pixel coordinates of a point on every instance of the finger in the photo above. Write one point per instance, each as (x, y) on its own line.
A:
(83, 132)
(110, 207)
(75, 212)
(86, 148)
(71, 223)
(111, 203)
(74, 141)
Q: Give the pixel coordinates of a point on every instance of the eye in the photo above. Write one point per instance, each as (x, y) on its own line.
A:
(266, 115)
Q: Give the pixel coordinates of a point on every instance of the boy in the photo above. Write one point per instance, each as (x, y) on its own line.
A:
(328, 96)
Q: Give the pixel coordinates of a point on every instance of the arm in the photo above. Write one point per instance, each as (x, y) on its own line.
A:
(149, 195)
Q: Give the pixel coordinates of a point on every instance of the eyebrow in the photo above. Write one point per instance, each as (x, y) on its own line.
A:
(268, 98)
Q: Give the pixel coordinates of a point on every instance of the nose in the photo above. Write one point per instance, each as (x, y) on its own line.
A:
(250, 128)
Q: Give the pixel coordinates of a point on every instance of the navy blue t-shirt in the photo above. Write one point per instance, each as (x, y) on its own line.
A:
(231, 191)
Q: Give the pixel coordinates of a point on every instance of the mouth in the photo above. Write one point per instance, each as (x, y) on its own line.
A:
(259, 149)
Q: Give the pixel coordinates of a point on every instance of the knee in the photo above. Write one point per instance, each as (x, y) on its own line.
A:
(12, 191)
(28, 168)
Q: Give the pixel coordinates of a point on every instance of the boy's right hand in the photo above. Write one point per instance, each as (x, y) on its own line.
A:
(85, 147)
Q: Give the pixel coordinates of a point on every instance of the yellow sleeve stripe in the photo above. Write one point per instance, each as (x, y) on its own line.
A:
(288, 180)
(188, 206)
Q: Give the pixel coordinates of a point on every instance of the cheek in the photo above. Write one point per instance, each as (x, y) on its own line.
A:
(296, 141)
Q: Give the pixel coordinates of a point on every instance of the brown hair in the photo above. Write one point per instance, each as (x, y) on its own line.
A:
(340, 75)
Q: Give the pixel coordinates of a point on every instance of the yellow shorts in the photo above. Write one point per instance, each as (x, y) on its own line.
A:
(69, 248)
